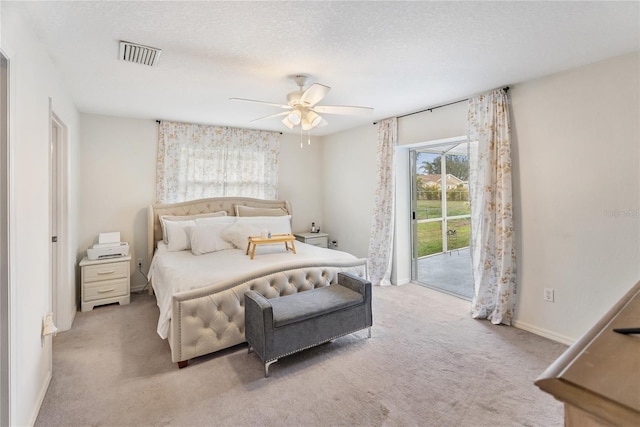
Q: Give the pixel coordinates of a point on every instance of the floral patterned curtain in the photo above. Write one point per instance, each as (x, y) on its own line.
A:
(199, 161)
(492, 239)
(381, 239)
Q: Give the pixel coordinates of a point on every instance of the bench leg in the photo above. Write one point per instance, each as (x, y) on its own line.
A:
(249, 349)
(266, 367)
(369, 333)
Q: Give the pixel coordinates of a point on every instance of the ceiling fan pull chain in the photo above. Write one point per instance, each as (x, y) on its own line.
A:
(300, 137)
(309, 137)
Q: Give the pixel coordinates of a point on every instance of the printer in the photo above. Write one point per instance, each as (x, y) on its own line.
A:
(108, 246)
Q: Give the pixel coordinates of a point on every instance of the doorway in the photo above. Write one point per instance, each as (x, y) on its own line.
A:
(57, 223)
(441, 217)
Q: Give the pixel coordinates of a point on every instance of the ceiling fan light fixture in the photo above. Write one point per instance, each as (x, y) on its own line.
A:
(295, 117)
(287, 122)
(313, 119)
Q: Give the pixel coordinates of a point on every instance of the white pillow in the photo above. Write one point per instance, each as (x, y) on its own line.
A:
(177, 237)
(238, 233)
(225, 220)
(175, 218)
(206, 238)
(275, 224)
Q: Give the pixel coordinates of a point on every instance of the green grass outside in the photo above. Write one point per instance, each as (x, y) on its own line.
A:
(430, 236)
(428, 209)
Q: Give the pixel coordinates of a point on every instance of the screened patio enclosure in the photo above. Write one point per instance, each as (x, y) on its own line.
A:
(441, 217)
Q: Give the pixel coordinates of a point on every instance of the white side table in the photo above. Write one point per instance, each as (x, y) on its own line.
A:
(104, 281)
(315, 239)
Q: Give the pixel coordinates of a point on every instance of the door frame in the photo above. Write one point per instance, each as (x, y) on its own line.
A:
(413, 152)
(60, 302)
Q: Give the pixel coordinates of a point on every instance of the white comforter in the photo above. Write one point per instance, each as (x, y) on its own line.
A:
(173, 272)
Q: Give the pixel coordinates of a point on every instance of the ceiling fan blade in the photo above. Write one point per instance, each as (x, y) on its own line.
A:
(260, 102)
(284, 113)
(314, 94)
(342, 109)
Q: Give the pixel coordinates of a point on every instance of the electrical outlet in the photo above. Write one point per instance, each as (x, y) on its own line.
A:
(335, 243)
(139, 262)
(549, 294)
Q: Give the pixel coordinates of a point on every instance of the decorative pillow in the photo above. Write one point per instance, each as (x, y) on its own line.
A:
(177, 237)
(275, 224)
(238, 233)
(206, 238)
(176, 218)
(225, 220)
(250, 211)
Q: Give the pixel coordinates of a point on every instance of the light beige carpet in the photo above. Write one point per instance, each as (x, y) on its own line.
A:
(428, 364)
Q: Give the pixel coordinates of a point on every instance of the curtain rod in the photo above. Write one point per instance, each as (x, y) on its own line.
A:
(506, 89)
(158, 122)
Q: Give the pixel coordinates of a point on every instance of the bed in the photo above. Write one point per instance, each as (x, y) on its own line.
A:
(200, 290)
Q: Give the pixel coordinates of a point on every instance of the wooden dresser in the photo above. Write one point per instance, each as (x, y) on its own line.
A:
(598, 377)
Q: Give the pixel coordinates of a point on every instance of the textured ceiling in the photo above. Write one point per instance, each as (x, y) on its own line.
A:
(396, 57)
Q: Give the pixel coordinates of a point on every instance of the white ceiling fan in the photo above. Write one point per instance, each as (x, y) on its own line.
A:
(302, 108)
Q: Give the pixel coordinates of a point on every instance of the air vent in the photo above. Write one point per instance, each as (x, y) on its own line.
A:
(132, 52)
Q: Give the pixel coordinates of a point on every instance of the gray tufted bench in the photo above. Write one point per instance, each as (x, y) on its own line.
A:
(282, 326)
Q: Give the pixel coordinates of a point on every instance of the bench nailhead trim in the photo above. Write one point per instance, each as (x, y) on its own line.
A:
(314, 345)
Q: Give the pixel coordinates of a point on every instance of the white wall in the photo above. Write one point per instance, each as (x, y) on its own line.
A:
(576, 190)
(33, 81)
(441, 123)
(117, 183)
(118, 175)
(576, 187)
(301, 181)
(349, 187)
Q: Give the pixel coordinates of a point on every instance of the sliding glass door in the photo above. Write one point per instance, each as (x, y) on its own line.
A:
(441, 224)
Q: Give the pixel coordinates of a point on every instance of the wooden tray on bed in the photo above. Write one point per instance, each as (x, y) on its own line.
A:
(276, 238)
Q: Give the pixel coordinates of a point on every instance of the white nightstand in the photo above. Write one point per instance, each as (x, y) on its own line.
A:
(315, 239)
(104, 281)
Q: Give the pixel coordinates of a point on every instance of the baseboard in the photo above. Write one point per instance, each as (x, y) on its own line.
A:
(41, 395)
(544, 333)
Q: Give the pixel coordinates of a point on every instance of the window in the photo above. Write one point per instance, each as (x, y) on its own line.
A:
(200, 161)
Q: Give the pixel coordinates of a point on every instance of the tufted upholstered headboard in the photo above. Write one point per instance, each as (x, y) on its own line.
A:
(201, 206)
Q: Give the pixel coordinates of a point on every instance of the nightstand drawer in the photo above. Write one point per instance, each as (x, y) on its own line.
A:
(106, 289)
(317, 241)
(115, 270)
